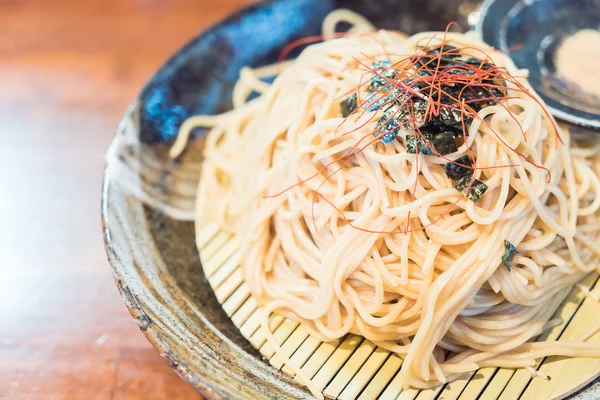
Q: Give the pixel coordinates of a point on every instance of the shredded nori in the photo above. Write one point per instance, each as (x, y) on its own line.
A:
(435, 126)
(384, 72)
(446, 48)
(419, 110)
(382, 79)
(451, 117)
(432, 62)
(403, 108)
(463, 183)
(348, 105)
(457, 172)
(412, 144)
(480, 97)
(413, 114)
(373, 102)
(444, 143)
(475, 191)
(391, 99)
(509, 254)
(475, 62)
(388, 130)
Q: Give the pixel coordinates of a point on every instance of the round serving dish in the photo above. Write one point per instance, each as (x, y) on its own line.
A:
(148, 199)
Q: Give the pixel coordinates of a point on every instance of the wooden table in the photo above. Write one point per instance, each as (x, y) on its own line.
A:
(68, 68)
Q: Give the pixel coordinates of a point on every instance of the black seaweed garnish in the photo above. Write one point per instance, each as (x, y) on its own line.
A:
(463, 183)
(388, 129)
(414, 113)
(405, 93)
(480, 97)
(348, 105)
(509, 254)
(476, 191)
(431, 56)
(475, 62)
(435, 126)
(384, 73)
(419, 111)
(446, 48)
(373, 102)
(412, 144)
(391, 100)
(457, 172)
(444, 143)
(472, 192)
(451, 117)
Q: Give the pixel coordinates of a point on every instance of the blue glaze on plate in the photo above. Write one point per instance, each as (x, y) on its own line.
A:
(199, 78)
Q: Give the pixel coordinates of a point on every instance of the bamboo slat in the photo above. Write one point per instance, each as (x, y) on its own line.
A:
(353, 368)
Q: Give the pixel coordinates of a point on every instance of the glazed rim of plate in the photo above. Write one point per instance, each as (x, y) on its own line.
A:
(200, 379)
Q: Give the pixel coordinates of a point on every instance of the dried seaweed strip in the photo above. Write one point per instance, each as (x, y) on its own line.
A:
(444, 143)
(457, 172)
(509, 254)
(473, 192)
(348, 105)
(388, 129)
(416, 141)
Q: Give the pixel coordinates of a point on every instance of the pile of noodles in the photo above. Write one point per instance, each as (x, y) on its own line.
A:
(345, 233)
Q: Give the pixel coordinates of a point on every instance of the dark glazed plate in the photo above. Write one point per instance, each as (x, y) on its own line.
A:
(539, 26)
(152, 253)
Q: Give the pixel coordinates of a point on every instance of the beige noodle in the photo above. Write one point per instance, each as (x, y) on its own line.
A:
(439, 297)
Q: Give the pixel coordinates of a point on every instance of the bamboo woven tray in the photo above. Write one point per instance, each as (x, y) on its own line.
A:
(354, 368)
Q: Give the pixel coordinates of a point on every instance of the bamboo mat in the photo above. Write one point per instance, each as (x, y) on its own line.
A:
(355, 368)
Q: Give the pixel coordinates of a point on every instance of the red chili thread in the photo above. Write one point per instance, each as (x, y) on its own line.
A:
(441, 77)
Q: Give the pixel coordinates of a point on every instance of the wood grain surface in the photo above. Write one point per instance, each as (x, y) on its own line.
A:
(68, 68)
